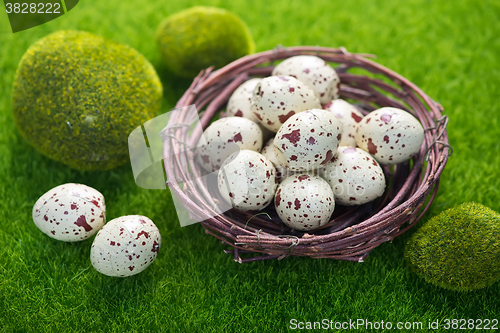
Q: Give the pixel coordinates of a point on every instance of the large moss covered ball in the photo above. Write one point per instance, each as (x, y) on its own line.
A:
(458, 249)
(77, 97)
(200, 37)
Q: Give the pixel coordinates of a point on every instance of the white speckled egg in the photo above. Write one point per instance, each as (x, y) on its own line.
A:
(223, 137)
(391, 135)
(350, 116)
(70, 212)
(247, 180)
(304, 201)
(125, 246)
(354, 175)
(308, 140)
(268, 151)
(238, 104)
(313, 71)
(277, 98)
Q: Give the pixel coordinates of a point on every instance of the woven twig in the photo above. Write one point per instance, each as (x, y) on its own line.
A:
(353, 232)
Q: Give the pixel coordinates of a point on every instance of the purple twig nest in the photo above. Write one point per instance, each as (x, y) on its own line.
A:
(353, 232)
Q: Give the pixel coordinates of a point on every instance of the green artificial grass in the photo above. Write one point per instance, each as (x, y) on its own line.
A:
(448, 48)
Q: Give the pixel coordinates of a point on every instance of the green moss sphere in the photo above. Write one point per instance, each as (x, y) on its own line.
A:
(77, 97)
(200, 37)
(458, 249)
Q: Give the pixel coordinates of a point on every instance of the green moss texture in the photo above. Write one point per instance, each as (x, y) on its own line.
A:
(200, 37)
(76, 98)
(458, 249)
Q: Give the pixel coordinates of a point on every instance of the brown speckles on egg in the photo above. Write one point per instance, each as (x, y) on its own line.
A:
(395, 126)
(65, 206)
(284, 117)
(239, 103)
(155, 247)
(283, 101)
(142, 233)
(243, 177)
(328, 157)
(304, 201)
(296, 204)
(223, 137)
(372, 148)
(239, 138)
(314, 73)
(293, 136)
(205, 159)
(350, 116)
(82, 222)
(306, 152)
(356, 117)
(302, 177)
(278, 197)
(118, 253)
(353, 177)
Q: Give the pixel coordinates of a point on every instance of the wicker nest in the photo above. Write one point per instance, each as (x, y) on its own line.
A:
(353, 231)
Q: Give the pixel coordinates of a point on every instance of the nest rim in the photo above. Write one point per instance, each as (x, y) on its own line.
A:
(411, 187)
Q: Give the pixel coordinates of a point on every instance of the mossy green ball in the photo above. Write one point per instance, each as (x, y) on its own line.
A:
(458, 249)
(200, 37)
(77, 97)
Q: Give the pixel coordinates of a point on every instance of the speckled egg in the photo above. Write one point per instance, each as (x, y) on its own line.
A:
(304, 201)
(313, 71)
(391, 135)
(125, 246)
(223, 137)
(247, 180)
(349, 115)
(277, 98)
(70, 212)
(308, 140)
(238, 104)
(268, 151)
(355, 177)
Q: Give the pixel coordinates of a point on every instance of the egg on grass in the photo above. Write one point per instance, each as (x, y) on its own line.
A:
(125, 246)
(70, 212)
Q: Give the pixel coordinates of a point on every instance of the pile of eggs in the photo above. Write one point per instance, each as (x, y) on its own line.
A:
(290, 140)
(122, 247)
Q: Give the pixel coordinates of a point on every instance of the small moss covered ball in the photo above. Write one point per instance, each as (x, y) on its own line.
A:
(458, 249)
(77, 97)
(200, 37)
